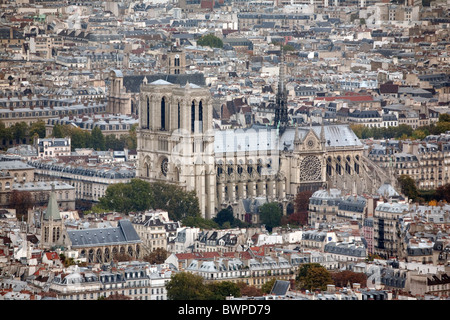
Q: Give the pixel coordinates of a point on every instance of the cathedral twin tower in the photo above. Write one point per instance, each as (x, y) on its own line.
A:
(178, 144)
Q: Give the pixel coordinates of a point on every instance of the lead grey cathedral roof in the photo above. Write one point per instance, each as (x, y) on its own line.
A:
(124, 233)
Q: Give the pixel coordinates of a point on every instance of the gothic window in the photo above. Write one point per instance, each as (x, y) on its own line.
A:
(91, 256)
(148, 113)
(130, 251)
(107, 255)
(329, 166)
(230, 170)
(219, 170)
(163, 113)
(192, 116)
(310, 169)
(179, 116)
(239, 170)
(200, 116)
(164, 166)
(99, 255)
(338, 165)
(259, 167)
(347, 165)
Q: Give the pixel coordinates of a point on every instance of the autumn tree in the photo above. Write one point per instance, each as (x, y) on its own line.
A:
(157, 256)
(248, 290)
(313, 276)
(301, 203)
(21, 201)
(343, 278)
(443, 192)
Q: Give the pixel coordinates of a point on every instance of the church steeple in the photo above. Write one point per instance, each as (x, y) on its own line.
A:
(52, 212)
(281, 115)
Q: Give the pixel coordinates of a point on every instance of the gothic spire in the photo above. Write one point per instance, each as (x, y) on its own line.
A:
(281, 115)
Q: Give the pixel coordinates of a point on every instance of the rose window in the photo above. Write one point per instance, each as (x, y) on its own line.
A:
(310, 169)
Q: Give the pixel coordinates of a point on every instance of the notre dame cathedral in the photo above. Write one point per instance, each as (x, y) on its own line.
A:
(177, 143)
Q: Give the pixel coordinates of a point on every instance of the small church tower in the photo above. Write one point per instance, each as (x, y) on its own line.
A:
(52, 226)
(176, 61)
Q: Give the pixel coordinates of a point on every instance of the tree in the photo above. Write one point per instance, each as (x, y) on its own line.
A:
(343, 278)
(249, 291)
(270, 215)
(21, 201)
(178, 202)
(137, 195)
(408, 186)
(313, 276)
(98, 140)
(301, 205)
(224, 215)
(187, 286)
(157, 256)
(210, 40)
(443, 192)
(222, 290)
(37, 128)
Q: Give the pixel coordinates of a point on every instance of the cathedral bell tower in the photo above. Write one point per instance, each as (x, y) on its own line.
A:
(176, 140)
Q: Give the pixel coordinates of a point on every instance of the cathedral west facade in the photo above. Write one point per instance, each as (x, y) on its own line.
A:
(178, 144)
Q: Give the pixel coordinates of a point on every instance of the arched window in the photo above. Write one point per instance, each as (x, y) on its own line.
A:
(193, 116)
(179, 116)
(163, 113)
(200, 116)
(148, 113)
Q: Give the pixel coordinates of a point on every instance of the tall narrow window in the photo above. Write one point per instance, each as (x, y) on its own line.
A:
(148, 113)
(179, 116)
(200, 116)
(163, 113)
(192, 116)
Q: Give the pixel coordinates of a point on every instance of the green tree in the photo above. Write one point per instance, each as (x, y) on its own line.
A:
(19, 131)
(98, 140)
(222, 290)
(270, 215)
(37, 128)
(111, 142)
(178, 202)
(137, 195)
(408, 186)
(210, 40)
(187, 286)
(313, 276)
(199, 222)
(58, 131)
(224, 215)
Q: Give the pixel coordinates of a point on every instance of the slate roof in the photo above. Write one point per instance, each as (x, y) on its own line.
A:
(280, 287)
(124, 233)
